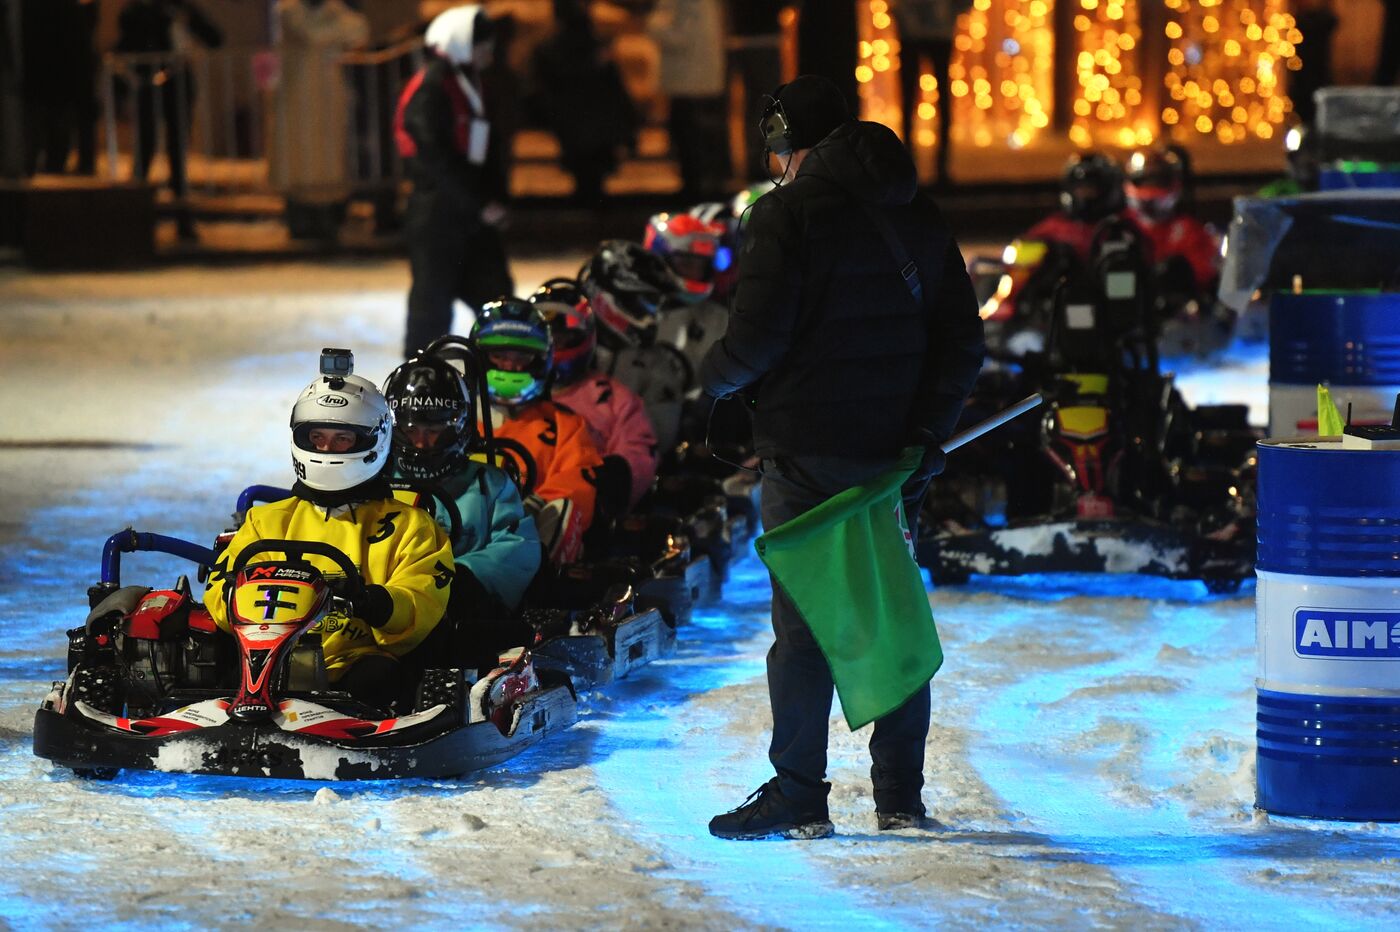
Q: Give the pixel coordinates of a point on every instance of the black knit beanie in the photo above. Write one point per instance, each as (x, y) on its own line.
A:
(814, 107)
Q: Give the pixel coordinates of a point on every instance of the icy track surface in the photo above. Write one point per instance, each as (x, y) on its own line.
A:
(1091, 755)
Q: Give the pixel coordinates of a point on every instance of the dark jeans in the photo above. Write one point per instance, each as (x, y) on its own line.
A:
(799, 680)
(939, 55)
(450, 256)
(170, 104)
(1388, 61)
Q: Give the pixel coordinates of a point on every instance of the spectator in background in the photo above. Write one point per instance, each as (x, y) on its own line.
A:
(60, 68)
(1317, 23)
(579, 94)
(1389, 61)
(690, 34)
(758, 59)
(926, 32)
(165, 88)
(311, 117)
(444, 130)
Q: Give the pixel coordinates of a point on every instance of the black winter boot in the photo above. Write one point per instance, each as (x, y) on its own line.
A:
(767, 813)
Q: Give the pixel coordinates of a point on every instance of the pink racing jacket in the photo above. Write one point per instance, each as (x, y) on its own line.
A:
(618, 421)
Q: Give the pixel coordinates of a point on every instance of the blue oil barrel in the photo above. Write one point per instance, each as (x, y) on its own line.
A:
(1348, 341)
(1342, 179)
(1328, 631)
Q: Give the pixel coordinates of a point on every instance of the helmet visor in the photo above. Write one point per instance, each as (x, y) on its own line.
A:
(330, 437)
(692, 266)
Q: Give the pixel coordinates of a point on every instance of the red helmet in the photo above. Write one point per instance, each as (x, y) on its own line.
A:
(1155, 181)
(571, 321)
(693, 248)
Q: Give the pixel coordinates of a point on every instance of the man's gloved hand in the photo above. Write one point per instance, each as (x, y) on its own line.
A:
(371, 604)
(931, 465)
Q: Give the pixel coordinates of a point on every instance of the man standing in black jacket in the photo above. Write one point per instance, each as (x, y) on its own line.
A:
(848, 355)
(454, 153)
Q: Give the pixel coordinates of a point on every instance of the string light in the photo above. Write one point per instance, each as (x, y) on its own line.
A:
(1108, 104)
(1225, 63)
(1000, 77)
(1221, 70)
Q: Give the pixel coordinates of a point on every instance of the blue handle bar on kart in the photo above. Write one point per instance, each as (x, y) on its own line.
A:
(129, 541)
(260, 493)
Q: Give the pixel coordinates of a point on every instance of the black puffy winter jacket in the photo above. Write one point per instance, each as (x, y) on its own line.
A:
(824, 335)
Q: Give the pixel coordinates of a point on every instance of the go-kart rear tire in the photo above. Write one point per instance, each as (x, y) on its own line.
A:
(949, 576)
(1223, 585)
(102, 774)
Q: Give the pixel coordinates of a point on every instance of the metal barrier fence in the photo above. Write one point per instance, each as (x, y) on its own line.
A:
(302, 123)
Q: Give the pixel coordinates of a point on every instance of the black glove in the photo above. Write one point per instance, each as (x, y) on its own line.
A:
(614, 486)
(371, 604)
(931, 465)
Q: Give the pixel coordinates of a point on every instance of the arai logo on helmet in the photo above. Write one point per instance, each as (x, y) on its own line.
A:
(1346, 634)
(333, 401)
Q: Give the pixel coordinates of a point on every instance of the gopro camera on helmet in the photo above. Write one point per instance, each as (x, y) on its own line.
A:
(337, 363)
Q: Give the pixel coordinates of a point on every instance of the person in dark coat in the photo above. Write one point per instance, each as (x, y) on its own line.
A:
(443, 129)
(843, 365)
(582, 99)
(59, 73)
(165, 89)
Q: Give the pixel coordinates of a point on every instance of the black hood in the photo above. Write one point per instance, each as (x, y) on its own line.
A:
(868, 160)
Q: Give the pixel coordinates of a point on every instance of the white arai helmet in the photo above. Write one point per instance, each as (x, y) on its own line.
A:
(340, 402)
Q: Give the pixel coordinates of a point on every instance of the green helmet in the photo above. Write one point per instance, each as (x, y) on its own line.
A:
(511, 325)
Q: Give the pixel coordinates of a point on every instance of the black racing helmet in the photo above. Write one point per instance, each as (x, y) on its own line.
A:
(626, 284)
(427, 392)
(1091, 187)
(1156, 182)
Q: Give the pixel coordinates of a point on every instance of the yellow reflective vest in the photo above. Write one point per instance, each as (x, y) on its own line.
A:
(393, 545)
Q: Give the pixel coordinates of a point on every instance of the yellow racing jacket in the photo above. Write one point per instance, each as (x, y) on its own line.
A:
(394, 545)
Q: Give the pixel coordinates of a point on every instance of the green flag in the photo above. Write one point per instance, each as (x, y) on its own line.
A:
(1329, 419)
(848, 565)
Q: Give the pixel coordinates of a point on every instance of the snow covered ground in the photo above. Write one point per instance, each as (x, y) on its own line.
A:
(1091, 755)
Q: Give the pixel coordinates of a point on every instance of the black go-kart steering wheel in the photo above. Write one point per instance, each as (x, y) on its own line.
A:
(296, 551)
(517, 462)
(449, 505)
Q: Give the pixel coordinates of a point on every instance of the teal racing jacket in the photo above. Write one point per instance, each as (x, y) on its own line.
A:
(497, 543)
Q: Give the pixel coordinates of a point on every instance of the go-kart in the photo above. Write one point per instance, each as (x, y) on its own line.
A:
(611, 638)
(1018, 294)
(629, 609)
(1118, 475)
(154, 685)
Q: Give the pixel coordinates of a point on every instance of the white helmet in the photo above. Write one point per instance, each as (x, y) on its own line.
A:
(350, 403)
(455, 32)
